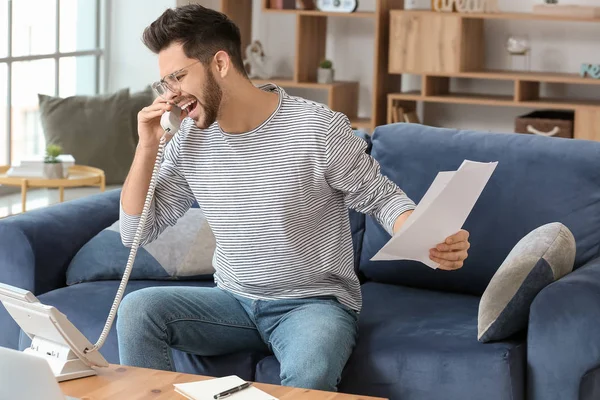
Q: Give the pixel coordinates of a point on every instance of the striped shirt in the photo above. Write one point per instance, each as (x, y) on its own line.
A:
(276, 199)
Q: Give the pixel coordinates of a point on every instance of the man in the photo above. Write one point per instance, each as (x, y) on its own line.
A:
(275, 176)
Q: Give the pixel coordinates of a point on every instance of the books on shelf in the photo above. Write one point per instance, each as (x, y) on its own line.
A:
(33, 167)
(399, 113)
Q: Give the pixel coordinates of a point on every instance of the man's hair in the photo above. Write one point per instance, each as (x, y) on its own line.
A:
(202, 32)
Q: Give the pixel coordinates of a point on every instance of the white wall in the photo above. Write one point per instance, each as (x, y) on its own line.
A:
(130, 63)
(557, 46)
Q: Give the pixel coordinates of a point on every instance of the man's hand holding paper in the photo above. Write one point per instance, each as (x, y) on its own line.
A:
(432, 233)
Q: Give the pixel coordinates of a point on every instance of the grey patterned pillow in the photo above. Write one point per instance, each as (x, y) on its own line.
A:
(183, 251)
(546, 254)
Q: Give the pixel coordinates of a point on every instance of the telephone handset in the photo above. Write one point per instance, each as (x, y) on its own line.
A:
(171, 120)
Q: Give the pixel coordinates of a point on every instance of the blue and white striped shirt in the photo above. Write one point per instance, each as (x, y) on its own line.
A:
(276, 199)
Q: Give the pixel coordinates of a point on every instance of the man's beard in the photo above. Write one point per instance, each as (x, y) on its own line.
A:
(211, 101)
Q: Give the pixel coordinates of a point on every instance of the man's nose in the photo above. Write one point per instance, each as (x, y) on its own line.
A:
(171, 95)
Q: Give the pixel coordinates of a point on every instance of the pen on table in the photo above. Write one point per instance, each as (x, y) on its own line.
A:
(231, 391)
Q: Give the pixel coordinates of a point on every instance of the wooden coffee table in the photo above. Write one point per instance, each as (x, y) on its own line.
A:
(79, 175)
(117, 382)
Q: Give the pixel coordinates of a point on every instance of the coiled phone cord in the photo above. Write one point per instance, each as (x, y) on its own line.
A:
(134, 246)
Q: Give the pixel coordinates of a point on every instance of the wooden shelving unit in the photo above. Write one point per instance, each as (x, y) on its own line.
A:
(316, 13)
(441, 46)
(310, 45)
(311, 32)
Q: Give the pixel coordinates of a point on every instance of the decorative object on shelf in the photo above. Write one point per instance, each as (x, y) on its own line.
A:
(491, 6)
(282, 4)
(53, 168)
(305, 4)
(590, 70)
(325, 72)
(567, 10)
(347, 6)
(549, 123)
(551, 1)
(403, 112)
(417, 4)
(466, 6)
(256, 62)
(519, 48)
(444, 5)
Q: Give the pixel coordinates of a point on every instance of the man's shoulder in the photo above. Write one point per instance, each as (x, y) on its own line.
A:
(304, 107)
(313, 112)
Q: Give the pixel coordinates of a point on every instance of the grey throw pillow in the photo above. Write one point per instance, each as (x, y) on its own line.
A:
(183, 251)
(96, 130)
(546, 254)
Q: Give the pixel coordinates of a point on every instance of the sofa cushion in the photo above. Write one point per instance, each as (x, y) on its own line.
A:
(182, 251)
(420, 344)
(96, 130)
(519, 197)
(541, 257)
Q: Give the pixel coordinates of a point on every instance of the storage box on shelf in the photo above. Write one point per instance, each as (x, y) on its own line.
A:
(444, 46)
(546, 123)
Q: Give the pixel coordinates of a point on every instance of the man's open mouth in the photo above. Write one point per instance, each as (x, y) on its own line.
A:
(189, 106)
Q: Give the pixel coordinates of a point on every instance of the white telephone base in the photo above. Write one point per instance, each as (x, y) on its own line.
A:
(62, 360)
(53, 336)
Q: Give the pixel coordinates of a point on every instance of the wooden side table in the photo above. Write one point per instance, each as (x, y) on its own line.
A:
(79, 175)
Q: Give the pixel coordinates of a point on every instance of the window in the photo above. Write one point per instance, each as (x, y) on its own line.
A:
(52, 47)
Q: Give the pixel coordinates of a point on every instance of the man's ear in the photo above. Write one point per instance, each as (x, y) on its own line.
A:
(222, 63)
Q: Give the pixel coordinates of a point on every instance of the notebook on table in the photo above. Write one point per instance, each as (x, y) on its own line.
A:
(206, 390)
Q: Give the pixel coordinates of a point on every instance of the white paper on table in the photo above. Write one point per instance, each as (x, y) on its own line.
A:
(205, 390)
(441, 213)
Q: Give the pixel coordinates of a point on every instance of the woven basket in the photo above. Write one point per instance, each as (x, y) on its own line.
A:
(547, 123)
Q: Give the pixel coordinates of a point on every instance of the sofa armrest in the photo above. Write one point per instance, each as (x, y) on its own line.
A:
(563, 340)
(37, 246)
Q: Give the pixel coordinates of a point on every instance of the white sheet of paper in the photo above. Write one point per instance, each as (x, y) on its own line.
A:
(441, 213)
(205, 390)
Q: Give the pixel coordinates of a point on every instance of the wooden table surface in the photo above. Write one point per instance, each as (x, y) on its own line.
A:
(118, 382)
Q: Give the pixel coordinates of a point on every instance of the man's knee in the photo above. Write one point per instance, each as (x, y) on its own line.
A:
(319, 367)
(139, 310)
(320, 374)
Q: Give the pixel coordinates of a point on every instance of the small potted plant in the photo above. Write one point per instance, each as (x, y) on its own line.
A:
(53, 168)
(325, 72)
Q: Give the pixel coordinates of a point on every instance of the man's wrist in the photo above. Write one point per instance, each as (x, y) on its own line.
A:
(401, 220)
(147, 148)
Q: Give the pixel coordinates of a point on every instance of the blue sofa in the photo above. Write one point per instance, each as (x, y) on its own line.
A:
(418, 327)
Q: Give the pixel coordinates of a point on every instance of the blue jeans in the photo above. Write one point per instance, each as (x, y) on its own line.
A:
(312, 338)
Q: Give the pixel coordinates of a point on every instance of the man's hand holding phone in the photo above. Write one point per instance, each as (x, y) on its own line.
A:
(149, 129)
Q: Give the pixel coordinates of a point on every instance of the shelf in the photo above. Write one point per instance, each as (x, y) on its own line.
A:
(498, 100)
(548, 77)
(505, 16)
(457, 98)
(361, 123)
(342, 96)
(316, 13)
(290, 83)
(472, 98)
(560, 104)
(412, 96)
